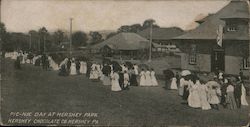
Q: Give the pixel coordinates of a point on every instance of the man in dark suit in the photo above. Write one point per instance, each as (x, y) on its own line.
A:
(237, 93)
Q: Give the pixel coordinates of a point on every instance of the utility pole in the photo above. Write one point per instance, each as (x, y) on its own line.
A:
(39, 44)
(44, 42)
(150, 43)
(70, 45)
(30, 41)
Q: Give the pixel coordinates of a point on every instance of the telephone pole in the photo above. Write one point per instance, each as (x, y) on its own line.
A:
(150, 43)
(70, 45)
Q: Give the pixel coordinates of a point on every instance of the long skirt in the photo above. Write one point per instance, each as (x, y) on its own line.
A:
(185, 93)
(231, 100)
(243, 96)
(115, 85)
(133, 80)
(181, 89)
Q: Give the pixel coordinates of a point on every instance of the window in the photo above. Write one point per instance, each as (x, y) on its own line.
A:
(192, 55)
(246, 63)
(192, 59)
(231, 28)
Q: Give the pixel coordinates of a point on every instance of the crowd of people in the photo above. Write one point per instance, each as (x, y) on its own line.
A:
(196, 92)
(119, 76)
(229, 92)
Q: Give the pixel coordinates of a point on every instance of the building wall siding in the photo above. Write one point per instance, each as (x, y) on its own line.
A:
(233, 64)
(203, 62)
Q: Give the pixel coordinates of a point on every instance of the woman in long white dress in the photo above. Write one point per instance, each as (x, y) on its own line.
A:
(73, 68)
(136, 69)
(203, 97)
(173, 85)
(148, 78)
(153, 78)
(143, 78)
(181, 88)
(243, 96)
(81, 67)
(213, 98)
(115, 82)
(126, 79)
(194, 98)
(53, 64)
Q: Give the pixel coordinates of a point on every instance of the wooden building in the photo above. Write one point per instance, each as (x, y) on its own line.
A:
(163, 37)
(200, 50)
(124, 46)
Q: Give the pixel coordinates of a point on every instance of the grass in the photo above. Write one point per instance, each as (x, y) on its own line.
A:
(34, 90)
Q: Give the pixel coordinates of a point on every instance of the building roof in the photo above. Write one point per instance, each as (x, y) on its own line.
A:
(204, 18)
(124, 41)
(161, 33)
(207, 30)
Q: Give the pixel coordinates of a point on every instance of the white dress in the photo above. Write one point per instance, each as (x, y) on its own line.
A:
(203, 97)
(136, 69)
(14, 56)
(181, 88)
(126, 79)
(148, 79)
(142, 79)
(243, 96)
(173, 85)
(73, 69)
(53, 64)
(194, 98)
(23, 59)
(153, 79)
(83, 67)
(115, 82)
(212, 96)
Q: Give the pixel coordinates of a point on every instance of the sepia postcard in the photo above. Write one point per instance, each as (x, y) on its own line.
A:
(125, 63)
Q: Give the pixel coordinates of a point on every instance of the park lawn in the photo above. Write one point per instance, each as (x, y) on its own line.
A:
(34, 90)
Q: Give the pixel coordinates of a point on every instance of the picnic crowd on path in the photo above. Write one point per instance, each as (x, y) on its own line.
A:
(197, 93)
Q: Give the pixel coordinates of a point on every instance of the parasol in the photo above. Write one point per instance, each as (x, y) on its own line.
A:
(185, 73)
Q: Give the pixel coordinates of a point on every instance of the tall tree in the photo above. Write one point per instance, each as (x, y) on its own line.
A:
(58, 37)
(5, 43)
(124, 28)
(96, 37)
(79, 38)
(135, 28)
(147, 23)
(34, 36)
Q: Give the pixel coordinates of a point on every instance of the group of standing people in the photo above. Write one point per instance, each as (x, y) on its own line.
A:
(72, 66)
(228, 92)
(119, 76)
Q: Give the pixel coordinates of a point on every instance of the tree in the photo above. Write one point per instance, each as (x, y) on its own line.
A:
(58, 37)
(147, 23)
(135, 28)
(3, 35)
(34, 38)
(124, 28)
(96, 37)
(79, 38)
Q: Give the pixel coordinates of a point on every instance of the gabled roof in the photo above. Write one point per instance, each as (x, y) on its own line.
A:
(207, 30)
(204, 18)
(124, 41)
(162, 33)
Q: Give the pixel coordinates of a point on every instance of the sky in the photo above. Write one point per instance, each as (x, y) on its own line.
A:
(96, 15)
